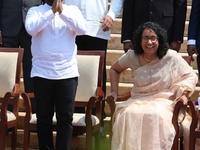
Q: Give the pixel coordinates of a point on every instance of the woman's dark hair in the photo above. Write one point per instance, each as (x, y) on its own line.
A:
(161, 33)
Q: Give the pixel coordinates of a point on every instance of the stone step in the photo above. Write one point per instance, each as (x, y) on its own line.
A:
(126, 87)
(114, 54)
(126, 76)
(115, 43)
(117, 25)
(187, 14)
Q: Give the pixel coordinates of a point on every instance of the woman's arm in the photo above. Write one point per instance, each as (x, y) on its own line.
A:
(115, 72)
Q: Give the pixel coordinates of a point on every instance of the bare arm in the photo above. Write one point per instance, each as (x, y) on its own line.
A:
(115, 72)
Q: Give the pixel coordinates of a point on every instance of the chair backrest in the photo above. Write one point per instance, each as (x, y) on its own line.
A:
(10, 64)
(90, 67)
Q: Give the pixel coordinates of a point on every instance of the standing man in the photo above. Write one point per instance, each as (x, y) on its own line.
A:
(98, 21)
(194, 32)
(53, 27)
(13, 34)
(169, 14)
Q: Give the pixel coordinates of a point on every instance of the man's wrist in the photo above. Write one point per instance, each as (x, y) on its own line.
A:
(191, 42)
(126, 41)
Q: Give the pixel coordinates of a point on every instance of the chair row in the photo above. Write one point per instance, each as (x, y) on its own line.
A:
(89, 95)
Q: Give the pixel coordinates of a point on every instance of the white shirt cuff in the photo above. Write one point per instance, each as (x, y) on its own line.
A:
(111, 14)
(126, 41)
(191, 42)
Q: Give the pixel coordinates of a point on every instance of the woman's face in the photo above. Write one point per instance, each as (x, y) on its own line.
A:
(149, 42)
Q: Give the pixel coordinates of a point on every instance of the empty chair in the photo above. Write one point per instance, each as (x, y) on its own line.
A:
(10, 69)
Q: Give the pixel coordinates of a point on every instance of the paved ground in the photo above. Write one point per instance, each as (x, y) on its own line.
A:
(78, 143)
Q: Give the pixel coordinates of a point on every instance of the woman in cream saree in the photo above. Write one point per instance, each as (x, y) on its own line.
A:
(144, 121)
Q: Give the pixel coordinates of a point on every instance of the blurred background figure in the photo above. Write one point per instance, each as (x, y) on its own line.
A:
(193, 45)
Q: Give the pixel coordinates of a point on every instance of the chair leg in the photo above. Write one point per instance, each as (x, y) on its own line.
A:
(14, 138)
(26, 139)
(110, 135)
(192, 143)
(175, 143)
(181, 143)
(2, 139)
(89, 140)
(97, 140)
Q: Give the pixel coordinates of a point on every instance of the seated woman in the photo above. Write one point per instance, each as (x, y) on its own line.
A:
(161, 77)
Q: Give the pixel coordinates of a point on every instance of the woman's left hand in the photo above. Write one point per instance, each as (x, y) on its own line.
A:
(184, 99)
(113, 94)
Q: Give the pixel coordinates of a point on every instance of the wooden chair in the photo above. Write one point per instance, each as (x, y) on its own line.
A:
(89, 95)
(10, 69)
(194, 132)
(175, 122)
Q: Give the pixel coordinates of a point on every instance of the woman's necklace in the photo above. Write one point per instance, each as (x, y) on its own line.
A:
(148, 59)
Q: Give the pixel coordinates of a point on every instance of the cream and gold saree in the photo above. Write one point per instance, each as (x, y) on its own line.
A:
(144, 121)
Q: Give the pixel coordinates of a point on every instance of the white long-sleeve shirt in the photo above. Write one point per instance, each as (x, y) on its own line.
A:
(93, 11)
(53, 41)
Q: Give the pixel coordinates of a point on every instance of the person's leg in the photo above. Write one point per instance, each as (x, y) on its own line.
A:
(44, 90)
(64, 102)
(92, 43)
(25, 42)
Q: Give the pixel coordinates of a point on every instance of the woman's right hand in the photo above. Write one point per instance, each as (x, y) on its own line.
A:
(113, 94)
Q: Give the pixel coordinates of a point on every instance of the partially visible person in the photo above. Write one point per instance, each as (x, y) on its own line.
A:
(193, 44)
(99, 21)
(161, 77)
(169, 14)
(13, 34)
(53, 27)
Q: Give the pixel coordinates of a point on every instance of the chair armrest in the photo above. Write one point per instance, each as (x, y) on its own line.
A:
(194, 114)
(112, 105)
(124, 97)
(94, 101)
(17, 90)
(26, 97)
(4, 104)
(176, 111)
(100, 92)
(120, 98)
